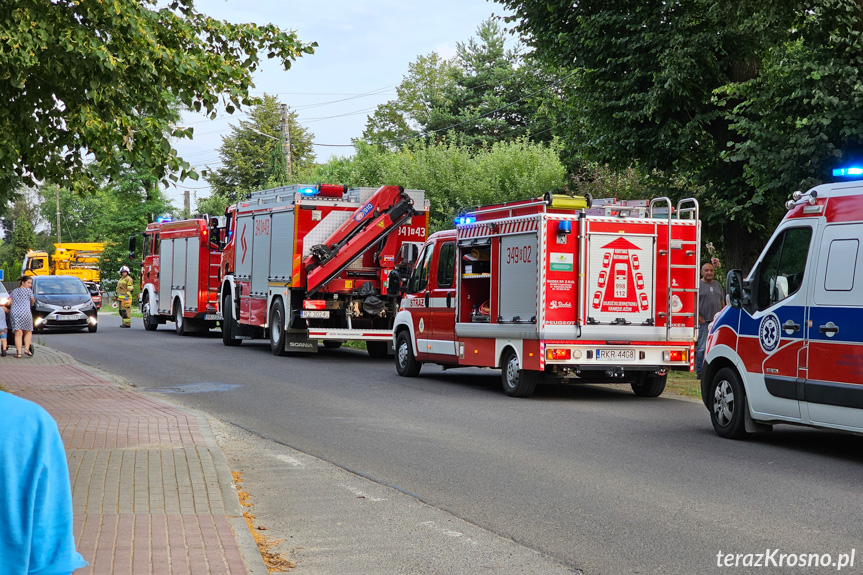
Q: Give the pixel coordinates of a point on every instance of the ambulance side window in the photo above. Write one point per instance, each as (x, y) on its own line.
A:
(446, 265)
(782, 268)
(420, 277)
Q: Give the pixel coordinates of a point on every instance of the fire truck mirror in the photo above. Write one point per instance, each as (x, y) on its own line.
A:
(735, 288)
(394, 282)
(132, 247)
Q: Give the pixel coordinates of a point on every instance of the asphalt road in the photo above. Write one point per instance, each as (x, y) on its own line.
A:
(590, 476)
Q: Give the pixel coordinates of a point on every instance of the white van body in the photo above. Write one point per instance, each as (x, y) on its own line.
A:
(789, 347)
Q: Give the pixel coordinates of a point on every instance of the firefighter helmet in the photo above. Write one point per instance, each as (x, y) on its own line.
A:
(124, 269)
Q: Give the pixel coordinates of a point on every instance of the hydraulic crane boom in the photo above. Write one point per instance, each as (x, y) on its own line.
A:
(385, 211)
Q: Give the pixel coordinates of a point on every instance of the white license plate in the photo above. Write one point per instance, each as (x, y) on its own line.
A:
(315, 314)
(68, 317)
(615, 354)
(213, 316)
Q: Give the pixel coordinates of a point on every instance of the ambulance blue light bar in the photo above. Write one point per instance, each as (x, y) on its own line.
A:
(849, 172)
(462, 220)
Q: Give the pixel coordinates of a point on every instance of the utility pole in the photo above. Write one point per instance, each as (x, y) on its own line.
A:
(186, 205)
(57, 195)
(286, 138)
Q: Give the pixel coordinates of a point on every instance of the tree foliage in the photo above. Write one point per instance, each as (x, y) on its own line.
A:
(724, 96)
(252, 159)
(454, 175)
(90, 85)
(487, 93)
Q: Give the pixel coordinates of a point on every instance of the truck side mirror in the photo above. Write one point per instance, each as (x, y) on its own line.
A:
(394, 282)
(132, 247)
(734, 288)
(408, 254)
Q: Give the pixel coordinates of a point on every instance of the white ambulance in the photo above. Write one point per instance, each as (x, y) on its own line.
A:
(789, 347)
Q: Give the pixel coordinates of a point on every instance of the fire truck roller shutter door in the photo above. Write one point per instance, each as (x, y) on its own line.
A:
(178, 280)
(166, 271)
(261, 255)
(518, 277)
(282, 246)
(193, 251)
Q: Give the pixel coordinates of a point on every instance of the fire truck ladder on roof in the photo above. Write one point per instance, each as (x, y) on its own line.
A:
(689, 208)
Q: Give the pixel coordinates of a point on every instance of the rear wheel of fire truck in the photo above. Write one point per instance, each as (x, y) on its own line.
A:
(726, 401)
(179, 320)
(277, 327)
(650, 385)
(516, 382)
(406, 363)
(378, 349)
(150, 323)
(229, 326)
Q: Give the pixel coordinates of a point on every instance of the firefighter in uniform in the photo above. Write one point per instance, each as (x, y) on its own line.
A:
(124, 296)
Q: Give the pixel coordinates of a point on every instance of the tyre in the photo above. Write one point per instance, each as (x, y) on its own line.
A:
(406, 363)
(332, 344)
(726, 400)
(651, 385)
(179, 320)
(277, 327)
(378, 349)
(517, 382)
(229, 326)
(150, 323)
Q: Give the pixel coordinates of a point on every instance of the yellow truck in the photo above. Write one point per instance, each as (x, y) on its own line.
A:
(69, 259)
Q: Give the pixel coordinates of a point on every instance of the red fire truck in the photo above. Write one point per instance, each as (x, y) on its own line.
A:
(304, 264)
(180, 274)
(557, 288)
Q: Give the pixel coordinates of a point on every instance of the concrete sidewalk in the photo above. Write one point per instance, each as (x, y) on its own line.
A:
(151, 489)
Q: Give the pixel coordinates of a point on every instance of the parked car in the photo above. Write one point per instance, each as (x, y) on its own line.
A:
(96, 293)
(4, 295)
(63, 302)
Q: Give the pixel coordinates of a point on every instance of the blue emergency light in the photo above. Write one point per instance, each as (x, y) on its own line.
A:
(564, 227)
(849, 172)
(463, 220)
(163, 219)
(309, 191)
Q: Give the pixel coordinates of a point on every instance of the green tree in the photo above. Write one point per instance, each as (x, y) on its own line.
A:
(91, 85)
(405, 117)
(252, 159)
(670, 86)
(495, 94)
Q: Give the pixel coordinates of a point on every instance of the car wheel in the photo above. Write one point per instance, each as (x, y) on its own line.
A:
(179, 320)
(650, 385)
(726, 400)
(406, 363)
(150, 323)
(517, 382)
(378, 349)
(277, 328)
(229, 326)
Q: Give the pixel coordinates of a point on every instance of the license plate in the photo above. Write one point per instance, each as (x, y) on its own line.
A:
(68, 317)
(615, 354)
(213, 316)
(315, 314)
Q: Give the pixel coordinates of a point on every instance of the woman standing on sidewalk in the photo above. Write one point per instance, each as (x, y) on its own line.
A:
(21, 314)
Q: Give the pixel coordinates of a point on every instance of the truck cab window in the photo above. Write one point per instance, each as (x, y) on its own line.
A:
(782, 268)
(446, 265)
(420, 277)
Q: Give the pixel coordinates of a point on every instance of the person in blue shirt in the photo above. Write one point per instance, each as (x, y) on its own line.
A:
(36, 529)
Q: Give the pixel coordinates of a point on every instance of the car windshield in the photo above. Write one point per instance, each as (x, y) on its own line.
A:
(59, 286)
